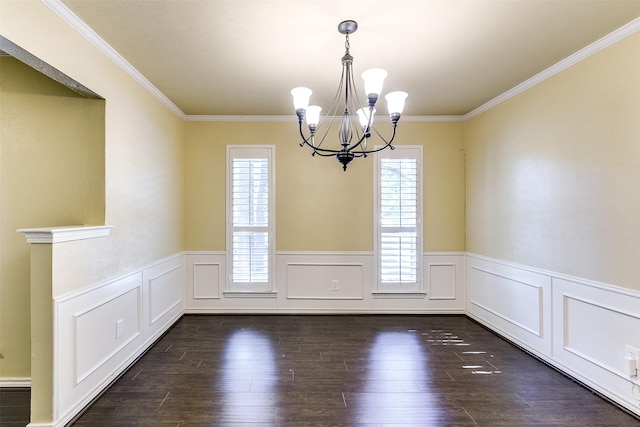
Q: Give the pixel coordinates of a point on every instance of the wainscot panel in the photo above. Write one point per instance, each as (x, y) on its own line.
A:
(99, 331)
(324, 282)
(444, 278)
(163, 295)
(593, 325)
(578, 326)
(515, 301)
(205, 273)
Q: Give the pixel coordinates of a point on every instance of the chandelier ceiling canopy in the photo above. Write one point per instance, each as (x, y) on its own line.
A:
(348, 117)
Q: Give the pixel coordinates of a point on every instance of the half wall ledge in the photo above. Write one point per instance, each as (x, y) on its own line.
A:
(65, 233)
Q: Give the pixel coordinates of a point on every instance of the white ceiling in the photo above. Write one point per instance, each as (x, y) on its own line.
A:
(241, 57)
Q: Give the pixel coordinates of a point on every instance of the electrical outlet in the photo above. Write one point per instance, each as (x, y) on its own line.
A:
(119, 328)
(632, 360)
(334, 285)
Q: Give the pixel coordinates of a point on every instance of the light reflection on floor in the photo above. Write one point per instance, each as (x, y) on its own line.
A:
(398, 360)
(249, 357)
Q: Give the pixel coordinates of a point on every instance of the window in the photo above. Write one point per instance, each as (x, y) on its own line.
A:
(398, 211)
(250, 217)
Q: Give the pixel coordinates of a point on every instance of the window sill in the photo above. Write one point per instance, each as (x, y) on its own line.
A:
(399, 295)
(250, 294)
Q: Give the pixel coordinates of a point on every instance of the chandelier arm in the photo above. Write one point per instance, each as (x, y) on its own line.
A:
(360, 154)
(327, 122)
(347, 114)
(305, 140)
(387, 144)
(393, 135)
(325, 152)
(358, 143)
(321, 153)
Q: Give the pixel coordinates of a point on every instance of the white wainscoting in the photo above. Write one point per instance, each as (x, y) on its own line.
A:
(444, 280)
(515, 301)
(100, 330)
(15, 382)
(578, 326)
(205, 274)
(324, 282)
(593, 323)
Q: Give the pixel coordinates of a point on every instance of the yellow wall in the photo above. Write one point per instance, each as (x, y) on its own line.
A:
(318, 206)
(142, 188)
(553, 174)
(51, 173)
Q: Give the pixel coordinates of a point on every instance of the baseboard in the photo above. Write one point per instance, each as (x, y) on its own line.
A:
(15, 382)
(325, 282)
(578, 326)
(545, 313)
(101, 330)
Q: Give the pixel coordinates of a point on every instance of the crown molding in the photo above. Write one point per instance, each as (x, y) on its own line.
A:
(432, 119)
(231, 118)
(77, 24)
(292, 118)
(595, 47)
(70, 18)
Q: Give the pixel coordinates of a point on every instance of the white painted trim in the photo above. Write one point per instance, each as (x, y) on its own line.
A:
(79, 25)
(65, 234)
(404, 152)
(574, 361)
(440, 253)
(204, 253)
(15, 382)
(324, 253)
(399, 295)
(582, 54)
(553, 274)
(610, 312)
(293, 118)
(226, 118)
(250, 294)
(538, 288)
(76, 23)
(253, 151)
(75, 294)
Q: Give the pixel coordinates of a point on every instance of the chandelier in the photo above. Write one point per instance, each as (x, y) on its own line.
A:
(347, 116)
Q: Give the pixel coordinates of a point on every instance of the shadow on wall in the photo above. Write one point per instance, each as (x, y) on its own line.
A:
(52, 165)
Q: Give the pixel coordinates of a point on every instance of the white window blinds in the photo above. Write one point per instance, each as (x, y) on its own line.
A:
(399, 218)
(250, 218)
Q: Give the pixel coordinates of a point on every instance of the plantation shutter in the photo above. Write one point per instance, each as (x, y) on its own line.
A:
(250, 218)
(398, 218)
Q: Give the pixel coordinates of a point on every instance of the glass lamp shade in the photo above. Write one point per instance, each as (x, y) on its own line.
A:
(363, 116)
(395, 102)
(301, 97)
(313, 115)
(373, 79)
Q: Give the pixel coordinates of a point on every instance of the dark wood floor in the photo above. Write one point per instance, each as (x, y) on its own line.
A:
(343, 370)
(14, 407)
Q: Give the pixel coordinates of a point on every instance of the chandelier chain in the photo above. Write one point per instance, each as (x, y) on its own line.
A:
(353, 121)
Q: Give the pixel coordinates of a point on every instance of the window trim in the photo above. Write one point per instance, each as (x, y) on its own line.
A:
(247, 152)
(400, 152)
